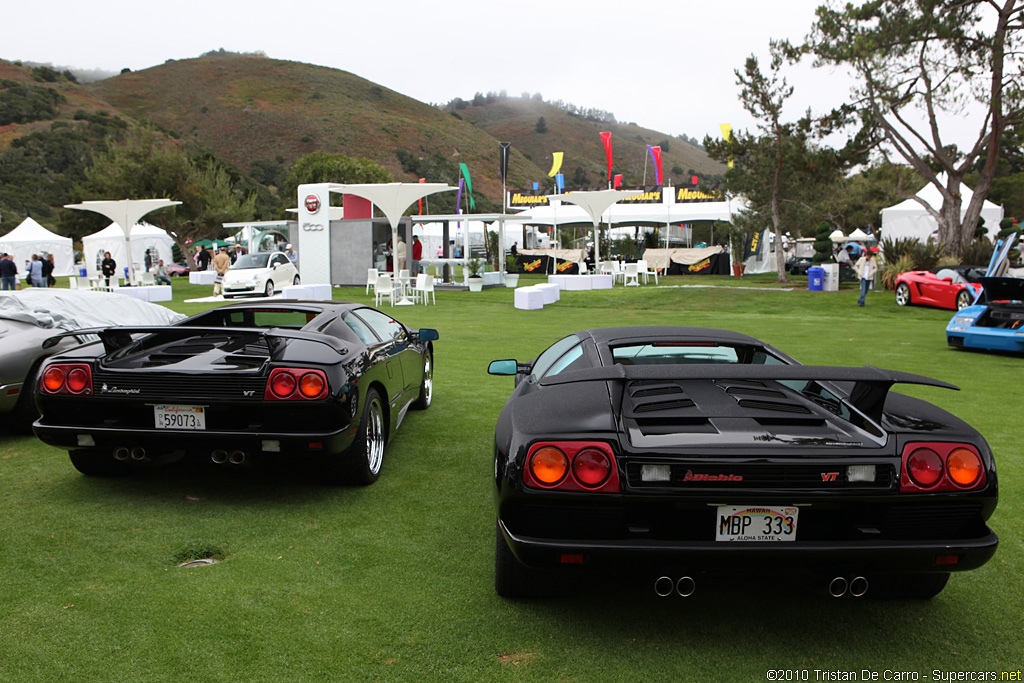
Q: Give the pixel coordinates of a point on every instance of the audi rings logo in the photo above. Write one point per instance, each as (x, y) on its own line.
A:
(312, 203)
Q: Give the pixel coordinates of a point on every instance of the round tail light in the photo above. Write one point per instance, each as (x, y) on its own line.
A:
(924, 467)
(549, 465)
(78, 380)
(591, 467)
(283, 384)
(311, 385)
(53, 379)
(964, 466)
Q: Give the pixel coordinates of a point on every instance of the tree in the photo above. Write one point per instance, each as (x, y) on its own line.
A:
(147, 165)
(542, 125)
(932, 57)
(324, 167)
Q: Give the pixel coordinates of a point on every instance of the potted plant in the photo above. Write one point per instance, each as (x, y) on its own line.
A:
(738, 235)
(475, 280)
(511, 276)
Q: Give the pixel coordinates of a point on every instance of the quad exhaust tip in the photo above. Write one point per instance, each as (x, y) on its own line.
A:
(665, 586)
(236, 457)
(856, 587)
(219, 457)
(138, 453)
(121, 453)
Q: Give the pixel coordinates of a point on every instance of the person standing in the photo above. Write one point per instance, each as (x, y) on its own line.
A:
(203, 259)
(48, 277)
(160, 273)
(417, 254)
(8, 272)
(401, 253)
(35, 272)
(221, 263)
(108, 267)
(866, 269)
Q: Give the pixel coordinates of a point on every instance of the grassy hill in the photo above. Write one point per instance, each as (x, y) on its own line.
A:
(257, 113)
(516, 119)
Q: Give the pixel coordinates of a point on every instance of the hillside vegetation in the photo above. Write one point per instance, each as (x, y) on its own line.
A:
(258, 115)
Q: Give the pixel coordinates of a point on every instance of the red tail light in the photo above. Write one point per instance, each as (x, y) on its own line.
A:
(295, 384)
(930, 467)
(572, 466)
(67, 378)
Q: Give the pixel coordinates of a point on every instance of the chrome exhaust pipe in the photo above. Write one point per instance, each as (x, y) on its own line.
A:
(138, 453)
(121, 453)
(858, 586)
(837, 587)
(236, 457)
(685, 586)
(219, 457)
(663, 586)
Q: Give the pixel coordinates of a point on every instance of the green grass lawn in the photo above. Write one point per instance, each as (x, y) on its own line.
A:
(394, 581)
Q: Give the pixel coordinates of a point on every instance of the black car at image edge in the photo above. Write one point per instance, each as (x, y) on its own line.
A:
(325, 381)
(672, 454)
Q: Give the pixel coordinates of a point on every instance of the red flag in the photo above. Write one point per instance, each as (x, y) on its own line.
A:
(422, 180)
(618, 181)
(606, 138)
(693, 180)
(656, 151)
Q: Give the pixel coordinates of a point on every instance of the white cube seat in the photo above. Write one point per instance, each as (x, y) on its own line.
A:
(529, 299)
(552, 292)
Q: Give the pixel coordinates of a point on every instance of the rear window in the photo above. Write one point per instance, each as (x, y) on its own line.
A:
(671, 353)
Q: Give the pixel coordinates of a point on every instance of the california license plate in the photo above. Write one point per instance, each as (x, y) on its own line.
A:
(179, 417)
(755, 523)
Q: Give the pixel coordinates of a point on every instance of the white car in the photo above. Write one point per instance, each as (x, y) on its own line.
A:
(261, 273)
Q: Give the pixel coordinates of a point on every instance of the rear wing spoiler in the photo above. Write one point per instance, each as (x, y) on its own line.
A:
(116, 338)
(871, 384)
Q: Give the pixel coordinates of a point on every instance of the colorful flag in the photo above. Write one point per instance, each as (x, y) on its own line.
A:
(693, 180)
(422, 180)
(560, 181)
(726, 129)
(556, 164)
(503, 152)
(656, 157)
(536, 186)
(469, 185)
(458, 197)
(606, 138)
(618, 181)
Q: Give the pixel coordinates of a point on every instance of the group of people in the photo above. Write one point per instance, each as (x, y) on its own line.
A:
(399, 255)
(38, 271)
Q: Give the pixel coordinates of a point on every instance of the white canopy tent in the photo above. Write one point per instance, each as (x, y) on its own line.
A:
(111, 238)
(630, 214)
(32, 238)
(125, 213)
(909, 219)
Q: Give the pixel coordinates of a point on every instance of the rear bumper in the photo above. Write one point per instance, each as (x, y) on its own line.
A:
(864, 556)
(202, 442)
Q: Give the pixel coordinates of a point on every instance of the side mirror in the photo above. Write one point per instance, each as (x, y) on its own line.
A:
(503, 367)
(274, 265)
(427, 334)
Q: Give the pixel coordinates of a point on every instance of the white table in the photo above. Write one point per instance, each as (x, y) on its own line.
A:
(529, 299)
(404, 284)
(551, 291)
(150, 293)
(308, 292)
(202, 277)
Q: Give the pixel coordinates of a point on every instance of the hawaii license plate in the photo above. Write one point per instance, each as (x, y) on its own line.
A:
(755, 523)
(179, 417)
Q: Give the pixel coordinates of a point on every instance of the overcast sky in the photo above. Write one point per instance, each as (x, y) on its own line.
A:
(665, 65)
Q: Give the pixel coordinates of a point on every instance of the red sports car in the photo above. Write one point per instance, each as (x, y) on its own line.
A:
(177, 269)
(951, 288)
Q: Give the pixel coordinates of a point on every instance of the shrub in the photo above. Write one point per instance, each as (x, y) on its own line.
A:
(890, 269)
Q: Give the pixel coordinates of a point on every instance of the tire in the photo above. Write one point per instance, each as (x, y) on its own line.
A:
(296, 280)
(907, 586)
(427, 387)
(513, 580)
(903, 294)
(360, 464)
(964, 298)
(25, 412)
(96, 463)
(268, 291)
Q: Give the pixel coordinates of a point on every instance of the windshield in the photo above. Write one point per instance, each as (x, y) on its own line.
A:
(251, 261)
(671, 353)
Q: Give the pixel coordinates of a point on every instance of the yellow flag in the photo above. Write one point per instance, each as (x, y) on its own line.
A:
(726, 129)
(556, 164)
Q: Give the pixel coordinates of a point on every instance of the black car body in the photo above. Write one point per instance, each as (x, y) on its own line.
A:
(321, 379)
(685, 451)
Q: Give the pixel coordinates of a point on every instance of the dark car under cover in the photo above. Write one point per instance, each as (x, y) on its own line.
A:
(682, 452)
(328, 381)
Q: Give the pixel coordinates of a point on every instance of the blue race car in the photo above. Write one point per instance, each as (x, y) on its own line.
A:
(996, 320)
